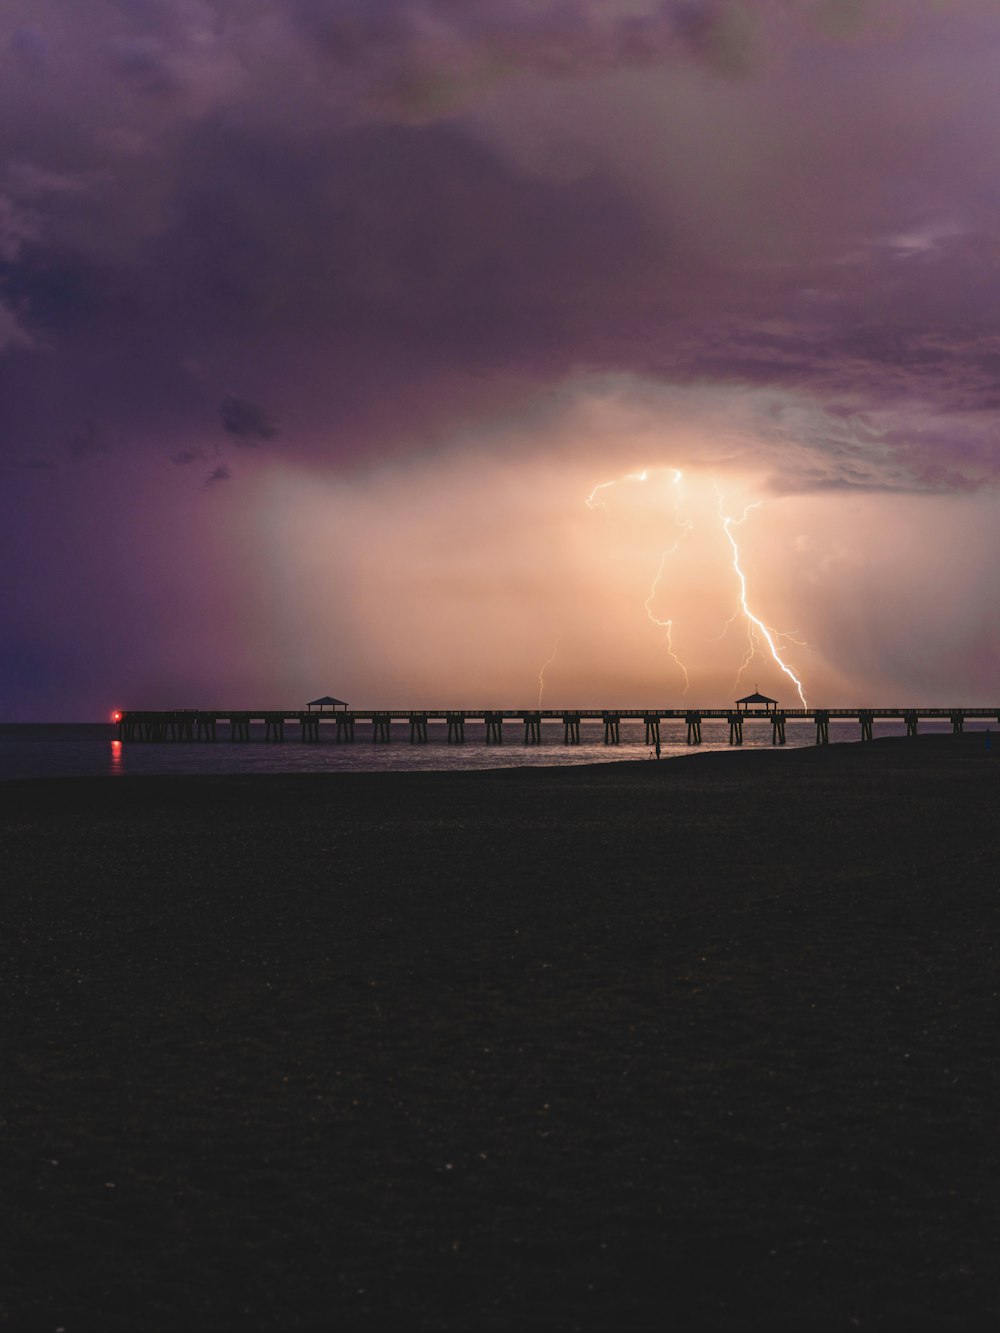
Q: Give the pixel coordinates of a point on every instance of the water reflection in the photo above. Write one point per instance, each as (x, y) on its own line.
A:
(81, 750)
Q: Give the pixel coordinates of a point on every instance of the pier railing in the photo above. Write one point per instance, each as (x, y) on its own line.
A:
(194, 725)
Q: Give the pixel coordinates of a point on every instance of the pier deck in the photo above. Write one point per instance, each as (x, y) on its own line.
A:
(202, 725)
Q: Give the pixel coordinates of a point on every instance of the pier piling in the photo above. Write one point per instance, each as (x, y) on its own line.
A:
(205, 727)
(456, 728)
(381, 727)
(418, 728)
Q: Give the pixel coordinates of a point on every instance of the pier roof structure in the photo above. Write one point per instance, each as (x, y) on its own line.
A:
(755, 700)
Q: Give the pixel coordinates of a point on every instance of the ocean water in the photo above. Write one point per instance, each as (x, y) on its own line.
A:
(90, 749)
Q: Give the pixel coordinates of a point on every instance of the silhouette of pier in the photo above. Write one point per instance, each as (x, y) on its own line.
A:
(376, 725)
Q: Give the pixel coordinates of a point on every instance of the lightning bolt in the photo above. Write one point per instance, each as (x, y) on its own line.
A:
(751, 648)
(541, 673)
(668, 625)
(593, 502)
(755, 626)
(780, 635)
(749, 653)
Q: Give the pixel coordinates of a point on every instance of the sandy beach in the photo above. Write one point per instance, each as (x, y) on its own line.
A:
(706, 1045)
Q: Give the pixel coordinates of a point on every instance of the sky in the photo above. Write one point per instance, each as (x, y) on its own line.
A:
(480, 353)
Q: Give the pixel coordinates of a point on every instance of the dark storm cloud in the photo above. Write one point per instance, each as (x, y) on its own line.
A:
(87, 441)
(889, 364)
(413, 240)
(430, 56)
(937, 477)
(29, 464)
(141, 59)
(366, 266)
(427, 57)
(221, 473)
(185, 456)
(27, 49)
(248, 421)
(337, 203)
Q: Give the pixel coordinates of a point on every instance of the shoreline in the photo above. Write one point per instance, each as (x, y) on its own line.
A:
(975, 738)
(598, 1046)
(34, 757)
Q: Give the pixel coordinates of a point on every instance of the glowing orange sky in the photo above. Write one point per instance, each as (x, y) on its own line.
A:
(454, 582)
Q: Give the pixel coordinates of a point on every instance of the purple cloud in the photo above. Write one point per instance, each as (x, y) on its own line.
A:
(87, 441)
(402, 228)
(248, 421)
(380, 266)
(183, 457)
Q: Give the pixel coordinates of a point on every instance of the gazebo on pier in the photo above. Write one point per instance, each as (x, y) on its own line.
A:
(757, 699)
(327, 701)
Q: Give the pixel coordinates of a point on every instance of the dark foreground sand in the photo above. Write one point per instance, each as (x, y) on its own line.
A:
(703, 1045)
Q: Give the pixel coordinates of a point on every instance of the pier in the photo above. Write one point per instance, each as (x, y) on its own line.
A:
(345, 726)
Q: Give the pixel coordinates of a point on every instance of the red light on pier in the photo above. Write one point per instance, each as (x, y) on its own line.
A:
(116, 716)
